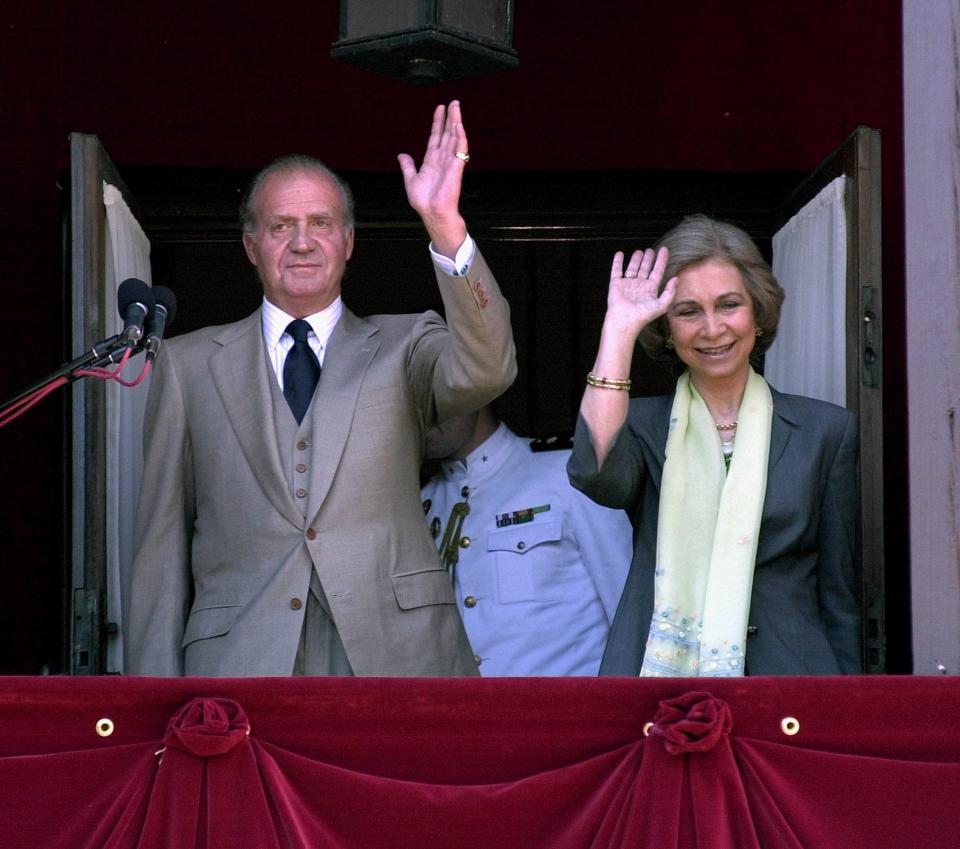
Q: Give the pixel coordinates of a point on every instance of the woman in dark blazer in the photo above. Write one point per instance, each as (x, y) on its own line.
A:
(745, 539)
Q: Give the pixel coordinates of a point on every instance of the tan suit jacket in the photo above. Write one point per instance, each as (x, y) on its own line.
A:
(223, 554)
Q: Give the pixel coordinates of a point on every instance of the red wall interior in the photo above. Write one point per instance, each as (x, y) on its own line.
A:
(644, 84)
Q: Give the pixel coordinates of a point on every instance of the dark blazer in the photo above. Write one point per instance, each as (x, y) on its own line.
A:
(805, 610)
(223, 550)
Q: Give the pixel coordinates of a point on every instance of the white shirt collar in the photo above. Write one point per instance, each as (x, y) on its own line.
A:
(274, 322)
(485, 460)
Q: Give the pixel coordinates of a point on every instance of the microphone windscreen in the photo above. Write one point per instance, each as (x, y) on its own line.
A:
(133, 291)
(165, 297)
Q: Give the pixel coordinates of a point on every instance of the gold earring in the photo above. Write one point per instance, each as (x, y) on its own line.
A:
(668, 343)
(758, 331)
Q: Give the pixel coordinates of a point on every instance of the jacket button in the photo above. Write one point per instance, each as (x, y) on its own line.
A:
(311, 533)
(477, 659)
(470, 601)
(752, 631)
(301, 467)
(521, 546)
(295, 604)
(301, 445)
(301, 493)
(464, 542)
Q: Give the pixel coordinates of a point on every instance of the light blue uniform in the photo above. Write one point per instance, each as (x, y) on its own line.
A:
(541, 566)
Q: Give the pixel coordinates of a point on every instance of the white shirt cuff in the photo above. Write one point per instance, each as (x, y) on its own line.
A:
(458, 266)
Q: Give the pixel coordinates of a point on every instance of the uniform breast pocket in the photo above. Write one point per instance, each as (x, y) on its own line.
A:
(528, 559)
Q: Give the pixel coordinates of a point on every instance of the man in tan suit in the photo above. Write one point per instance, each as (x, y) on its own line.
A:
(278, 536)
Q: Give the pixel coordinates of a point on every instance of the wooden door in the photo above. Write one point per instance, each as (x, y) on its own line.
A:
(857, 161)
(100, 511)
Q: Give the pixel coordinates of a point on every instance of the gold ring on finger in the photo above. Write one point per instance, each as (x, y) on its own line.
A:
(463, 156)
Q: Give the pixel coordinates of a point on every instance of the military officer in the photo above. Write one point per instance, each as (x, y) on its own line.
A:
(537, 567)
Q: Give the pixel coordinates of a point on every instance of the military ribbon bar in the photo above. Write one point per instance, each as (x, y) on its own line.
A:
(519, 517)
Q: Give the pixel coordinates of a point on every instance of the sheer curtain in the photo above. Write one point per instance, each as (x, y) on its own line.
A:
(810, 261)
(127, 255)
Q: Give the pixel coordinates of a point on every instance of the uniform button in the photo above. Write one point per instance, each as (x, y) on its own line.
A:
(464, 491)
(301, 467)
(295, 604)
(311, 533)
(301, 493)
(752, 631)
(521, 545)
(477, 659)
(464, 542)
(301, 445)
(470, 601)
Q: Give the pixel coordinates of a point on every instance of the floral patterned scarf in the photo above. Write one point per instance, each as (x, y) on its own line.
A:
(709, 522)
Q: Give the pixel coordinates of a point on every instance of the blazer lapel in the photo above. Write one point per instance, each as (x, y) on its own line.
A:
(784, 421)
(657, 426)
(240, 375)
(655, 433)
(352, 346)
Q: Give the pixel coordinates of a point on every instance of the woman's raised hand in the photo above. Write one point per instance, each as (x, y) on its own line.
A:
(634, 299)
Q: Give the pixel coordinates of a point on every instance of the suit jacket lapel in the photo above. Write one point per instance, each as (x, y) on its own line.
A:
(240, 375)
(655, 433)
(352, 346)
(784, 421)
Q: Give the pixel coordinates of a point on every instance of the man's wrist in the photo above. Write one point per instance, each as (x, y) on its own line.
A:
(462, 257)
(446, 233)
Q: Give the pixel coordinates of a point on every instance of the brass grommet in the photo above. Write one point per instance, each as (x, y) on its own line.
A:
(646, 729)
(104, 727)
(790, 725)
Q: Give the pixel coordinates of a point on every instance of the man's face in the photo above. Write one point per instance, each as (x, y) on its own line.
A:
(301, 244)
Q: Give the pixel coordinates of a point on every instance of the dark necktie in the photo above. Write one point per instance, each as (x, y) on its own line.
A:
(301, 370)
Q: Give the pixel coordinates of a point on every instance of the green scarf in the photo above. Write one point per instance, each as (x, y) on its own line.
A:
(709, 522)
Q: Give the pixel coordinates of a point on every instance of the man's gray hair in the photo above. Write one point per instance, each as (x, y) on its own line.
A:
(292, 163)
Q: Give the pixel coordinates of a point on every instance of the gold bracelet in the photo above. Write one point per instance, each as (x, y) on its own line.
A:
(608, 382)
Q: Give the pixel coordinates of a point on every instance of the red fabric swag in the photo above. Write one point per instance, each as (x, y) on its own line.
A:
(485, 764)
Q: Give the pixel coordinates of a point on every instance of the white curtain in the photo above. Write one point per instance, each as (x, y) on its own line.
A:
(810, 261)
(127, 255)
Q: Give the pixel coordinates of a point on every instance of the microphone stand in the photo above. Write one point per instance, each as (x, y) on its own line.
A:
(108, 351)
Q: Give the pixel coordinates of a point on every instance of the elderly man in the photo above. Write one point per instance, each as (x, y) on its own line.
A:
(538, 567)
(279, 528)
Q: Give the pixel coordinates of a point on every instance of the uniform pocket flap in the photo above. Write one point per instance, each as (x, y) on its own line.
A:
(418, 589)
(521, 538)
(206, 622)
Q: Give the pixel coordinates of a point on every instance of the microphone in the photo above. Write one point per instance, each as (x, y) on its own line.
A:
(134, 301)
(162, 314)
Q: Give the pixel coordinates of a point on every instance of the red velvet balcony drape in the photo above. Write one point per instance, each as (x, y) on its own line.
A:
(498, 763)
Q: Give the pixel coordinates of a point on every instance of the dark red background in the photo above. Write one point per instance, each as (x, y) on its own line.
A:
(747, 86)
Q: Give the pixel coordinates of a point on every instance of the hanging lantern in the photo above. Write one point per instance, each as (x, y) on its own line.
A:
(427, 41)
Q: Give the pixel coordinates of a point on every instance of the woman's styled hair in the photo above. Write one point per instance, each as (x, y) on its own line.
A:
(697, 239)
(293, 163)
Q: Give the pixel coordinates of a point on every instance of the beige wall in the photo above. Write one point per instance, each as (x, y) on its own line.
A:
(932, 185)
